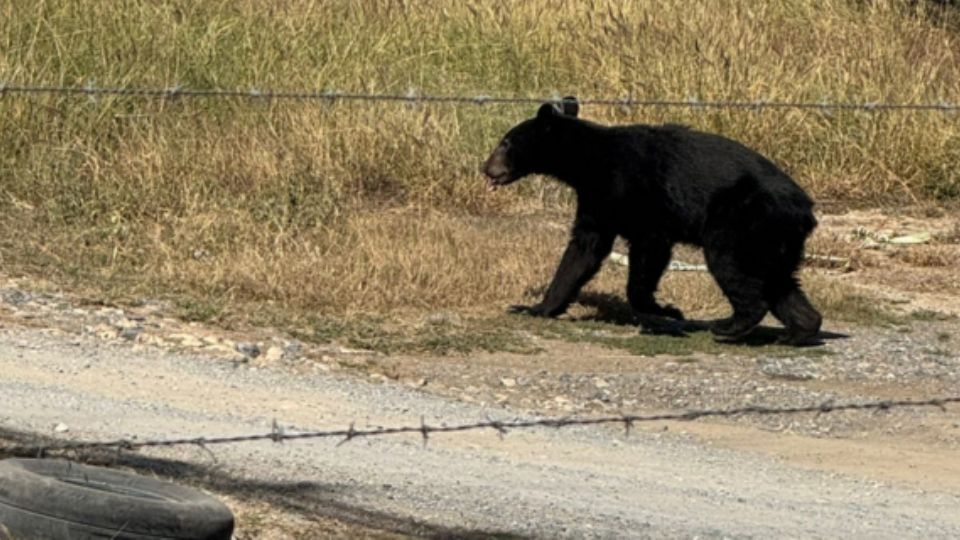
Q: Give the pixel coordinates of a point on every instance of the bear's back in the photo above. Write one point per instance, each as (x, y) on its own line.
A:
(717, 162)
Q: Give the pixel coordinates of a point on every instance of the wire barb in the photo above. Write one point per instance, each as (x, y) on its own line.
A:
(276, 432)
(201, 444)
(627, 425)
(424, 430)
(498, 426)
(349, 435)
(826, 407)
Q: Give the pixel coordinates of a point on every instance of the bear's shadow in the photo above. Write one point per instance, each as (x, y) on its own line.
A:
(611, 309)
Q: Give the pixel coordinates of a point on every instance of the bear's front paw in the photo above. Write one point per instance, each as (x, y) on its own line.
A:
(536, 310)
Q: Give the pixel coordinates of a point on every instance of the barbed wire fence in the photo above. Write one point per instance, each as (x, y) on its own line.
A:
(278, 435)
(414, 96)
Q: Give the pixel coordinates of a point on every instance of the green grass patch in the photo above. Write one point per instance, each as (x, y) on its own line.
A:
(526, 335)
(860, 309)
(929, 315)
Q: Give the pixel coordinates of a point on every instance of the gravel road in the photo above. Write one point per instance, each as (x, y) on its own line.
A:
(583, 483)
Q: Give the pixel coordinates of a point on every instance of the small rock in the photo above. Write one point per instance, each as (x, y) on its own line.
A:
(61, 428)
(107, 334)
(251, 350)
(156, 341)
(600, 383)
(15, 297)
(130, 333)
(508, 382)
(273, 354)
(187, 340)
(347, 350)
(191, 341)
(124, 322)
(292, 350)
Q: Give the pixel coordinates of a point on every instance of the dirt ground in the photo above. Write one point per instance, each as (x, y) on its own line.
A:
(905, 261)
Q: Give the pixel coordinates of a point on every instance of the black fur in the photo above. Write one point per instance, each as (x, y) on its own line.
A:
(659, 185)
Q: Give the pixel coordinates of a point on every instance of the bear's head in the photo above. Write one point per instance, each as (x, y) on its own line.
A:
(528, 146)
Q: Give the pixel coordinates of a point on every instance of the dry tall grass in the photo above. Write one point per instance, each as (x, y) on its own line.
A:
(378, 207)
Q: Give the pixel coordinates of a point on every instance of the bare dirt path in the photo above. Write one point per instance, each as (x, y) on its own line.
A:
(572, 483)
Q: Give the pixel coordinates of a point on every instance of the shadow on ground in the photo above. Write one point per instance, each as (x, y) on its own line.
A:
(304, 498)
(611, 309)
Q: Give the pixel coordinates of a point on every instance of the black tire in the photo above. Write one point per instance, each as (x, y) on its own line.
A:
(56, 499)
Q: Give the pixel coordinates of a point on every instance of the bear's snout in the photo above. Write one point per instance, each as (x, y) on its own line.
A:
(496, 168)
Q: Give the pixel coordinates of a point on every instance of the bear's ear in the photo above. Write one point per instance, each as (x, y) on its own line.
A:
(547, 110)
(570, 106)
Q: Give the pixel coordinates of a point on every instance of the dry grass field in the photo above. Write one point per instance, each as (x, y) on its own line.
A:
(294, 213)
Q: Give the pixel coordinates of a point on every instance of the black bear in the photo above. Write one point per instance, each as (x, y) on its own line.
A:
(659, 185)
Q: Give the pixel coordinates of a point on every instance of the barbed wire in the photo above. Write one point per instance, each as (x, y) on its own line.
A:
(277, 434)
(179, 91)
